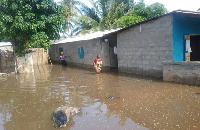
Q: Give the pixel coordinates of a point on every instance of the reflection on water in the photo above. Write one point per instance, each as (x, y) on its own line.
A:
(27, 101)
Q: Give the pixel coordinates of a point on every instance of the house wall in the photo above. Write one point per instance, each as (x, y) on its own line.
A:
(25, 64)
(183, 25)
(7, 63)
(35, 57)
(142, 48)
(182, 72)
(112, 40)
(91, 49)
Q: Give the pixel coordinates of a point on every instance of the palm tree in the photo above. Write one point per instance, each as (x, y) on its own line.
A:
(102, 14)
(72, 9)
(107, 14)
(116, 9)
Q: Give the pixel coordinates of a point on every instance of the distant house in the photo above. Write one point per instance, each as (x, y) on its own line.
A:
(83, 49)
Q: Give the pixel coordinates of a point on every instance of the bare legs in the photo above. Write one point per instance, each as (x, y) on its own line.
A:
(98, 71)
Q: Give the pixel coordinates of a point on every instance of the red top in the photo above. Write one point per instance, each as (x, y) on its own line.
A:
(95, 61)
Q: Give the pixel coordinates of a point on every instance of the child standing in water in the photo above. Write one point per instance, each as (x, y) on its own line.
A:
(62, 59)
(97, 64)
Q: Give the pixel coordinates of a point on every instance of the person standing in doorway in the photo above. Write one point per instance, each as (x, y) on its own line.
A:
(62, 59)
(97, 64)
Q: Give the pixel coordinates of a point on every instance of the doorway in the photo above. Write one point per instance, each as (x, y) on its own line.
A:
(195, 47)
(60, 50)
(113, 57)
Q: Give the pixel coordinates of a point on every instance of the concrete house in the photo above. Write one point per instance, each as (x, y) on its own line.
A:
(84, 49)
(158, 46)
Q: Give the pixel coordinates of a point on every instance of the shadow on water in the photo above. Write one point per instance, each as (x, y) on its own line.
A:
(27, 101)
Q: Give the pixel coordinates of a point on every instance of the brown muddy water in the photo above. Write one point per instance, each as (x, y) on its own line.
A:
(27, 101)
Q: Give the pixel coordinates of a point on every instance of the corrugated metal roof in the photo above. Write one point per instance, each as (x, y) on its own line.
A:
(88, 36)
(186, 12)
(5, 44)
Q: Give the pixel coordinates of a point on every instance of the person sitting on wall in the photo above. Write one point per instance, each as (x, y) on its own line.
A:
(62, 59)
(97, 64)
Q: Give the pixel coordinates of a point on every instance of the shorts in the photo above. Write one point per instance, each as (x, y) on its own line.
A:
(63, 62)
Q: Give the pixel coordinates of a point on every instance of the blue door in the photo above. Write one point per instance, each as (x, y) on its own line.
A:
(81, 52)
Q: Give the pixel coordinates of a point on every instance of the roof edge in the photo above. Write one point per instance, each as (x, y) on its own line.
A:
(88, 36)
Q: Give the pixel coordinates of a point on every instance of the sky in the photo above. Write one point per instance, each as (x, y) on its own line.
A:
(170, 5)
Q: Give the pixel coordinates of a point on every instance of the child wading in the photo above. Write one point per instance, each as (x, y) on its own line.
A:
(97, 64)
(62, 59)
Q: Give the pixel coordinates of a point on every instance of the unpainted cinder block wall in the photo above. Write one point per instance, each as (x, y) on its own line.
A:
(25, 64)
(35, 57)
(142, 48)
(7, 63)
(91, 49)
(187, 72)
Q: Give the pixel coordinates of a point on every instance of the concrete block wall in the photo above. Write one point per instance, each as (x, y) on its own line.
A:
(142, 48)
(35, 57)
(91, 49)
(7, 63)
(39, 55)
(54, 56)
(25, 64)
(187, 72)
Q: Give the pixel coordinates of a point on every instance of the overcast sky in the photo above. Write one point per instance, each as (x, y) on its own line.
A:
(171, 5)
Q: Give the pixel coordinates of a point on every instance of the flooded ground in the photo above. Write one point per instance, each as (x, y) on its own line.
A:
(27, 101)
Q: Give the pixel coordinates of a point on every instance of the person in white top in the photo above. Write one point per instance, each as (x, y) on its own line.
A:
(62, 59)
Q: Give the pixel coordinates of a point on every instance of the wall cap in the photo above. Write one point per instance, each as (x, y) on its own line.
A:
(182, 63)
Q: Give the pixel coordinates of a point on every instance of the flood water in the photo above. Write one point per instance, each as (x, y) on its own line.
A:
(27, 101)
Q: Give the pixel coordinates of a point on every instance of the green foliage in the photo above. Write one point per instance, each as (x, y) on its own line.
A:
(156, 9)
(126, 21)
(24, 22)
(114, 14)
(102, 15)
(109, 14)
(39, 40)
(87, 22)
(71, 10)
(138, 13)
(115, 9)
(20, 50)
(139, 10)
(147, 12)
(90, 21)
